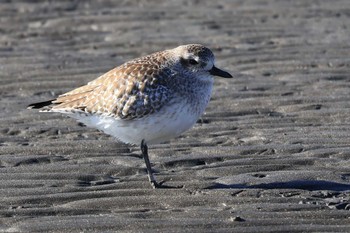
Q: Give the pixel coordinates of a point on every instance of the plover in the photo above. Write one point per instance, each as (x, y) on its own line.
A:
(146, 100)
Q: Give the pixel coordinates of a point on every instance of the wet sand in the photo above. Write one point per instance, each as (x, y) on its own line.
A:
(271, 154)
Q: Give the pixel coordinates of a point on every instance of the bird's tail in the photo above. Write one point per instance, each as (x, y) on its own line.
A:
(44, 106)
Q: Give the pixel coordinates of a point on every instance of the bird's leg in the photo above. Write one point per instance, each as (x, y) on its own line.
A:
(152, 180)
(144, 150)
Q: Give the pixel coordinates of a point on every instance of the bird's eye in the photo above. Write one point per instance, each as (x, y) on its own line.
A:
(192, 62)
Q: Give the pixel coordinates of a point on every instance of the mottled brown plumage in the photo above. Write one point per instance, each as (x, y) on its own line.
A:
(129, 91)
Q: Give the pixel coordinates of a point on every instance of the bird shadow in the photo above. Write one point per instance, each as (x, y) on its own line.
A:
(310, 185)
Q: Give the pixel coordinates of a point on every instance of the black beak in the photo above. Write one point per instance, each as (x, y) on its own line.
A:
(217, 72)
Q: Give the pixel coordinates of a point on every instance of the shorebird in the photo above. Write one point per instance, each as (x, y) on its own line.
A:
(147, 100)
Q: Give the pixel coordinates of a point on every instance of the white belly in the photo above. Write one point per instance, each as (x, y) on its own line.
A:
(158, 127)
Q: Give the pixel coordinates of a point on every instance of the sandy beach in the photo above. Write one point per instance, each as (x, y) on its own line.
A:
(271, 153)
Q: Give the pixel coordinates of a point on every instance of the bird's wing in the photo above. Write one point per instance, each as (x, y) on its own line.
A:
(127, 92)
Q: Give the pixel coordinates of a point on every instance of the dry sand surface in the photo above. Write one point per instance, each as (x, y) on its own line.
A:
(271, 154)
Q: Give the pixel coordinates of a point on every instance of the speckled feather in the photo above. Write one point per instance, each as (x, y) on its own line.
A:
(132, 90)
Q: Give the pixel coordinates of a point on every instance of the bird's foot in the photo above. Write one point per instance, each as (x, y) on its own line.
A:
(161, 185)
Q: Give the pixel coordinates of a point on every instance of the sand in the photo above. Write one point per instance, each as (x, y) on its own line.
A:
(271, 154)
